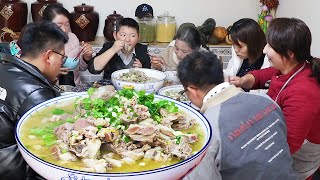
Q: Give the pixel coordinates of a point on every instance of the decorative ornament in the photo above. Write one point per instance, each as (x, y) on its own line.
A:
(268, 12)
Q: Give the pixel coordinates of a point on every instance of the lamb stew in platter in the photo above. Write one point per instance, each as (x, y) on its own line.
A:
(113, 131)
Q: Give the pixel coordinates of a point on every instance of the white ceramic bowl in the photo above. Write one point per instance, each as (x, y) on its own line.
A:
(150, 87)
(172, 77)
(171, 91)
(71, 63)
(51, 171)
(164, 91)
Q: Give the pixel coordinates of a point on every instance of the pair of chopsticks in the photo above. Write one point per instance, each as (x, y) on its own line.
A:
(59, 89)
(78, 55)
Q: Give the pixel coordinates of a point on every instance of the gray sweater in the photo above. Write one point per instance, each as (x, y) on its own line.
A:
(249, 139)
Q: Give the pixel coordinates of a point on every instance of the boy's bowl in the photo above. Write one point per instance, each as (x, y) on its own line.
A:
(71, 63)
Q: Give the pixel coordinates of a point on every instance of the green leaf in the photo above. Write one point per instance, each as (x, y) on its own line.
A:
(126, 138)
(98, 103)
(86, 103)
(40, 131)
(178, 139)
(113, 102)
(50, 142)
(99, 127)
(57, 111)
(91, 90)
(114, 122)
(70, 120)
(128, 93)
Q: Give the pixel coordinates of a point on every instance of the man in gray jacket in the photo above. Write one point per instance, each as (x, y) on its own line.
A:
(249, 138)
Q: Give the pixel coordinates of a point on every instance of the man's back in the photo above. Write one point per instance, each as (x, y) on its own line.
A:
(249, 139)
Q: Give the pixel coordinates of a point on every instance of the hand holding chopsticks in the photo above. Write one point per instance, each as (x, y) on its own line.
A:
(86, 50)
(157, 62)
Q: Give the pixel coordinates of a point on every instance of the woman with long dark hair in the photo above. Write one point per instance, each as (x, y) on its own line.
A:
(247, 49)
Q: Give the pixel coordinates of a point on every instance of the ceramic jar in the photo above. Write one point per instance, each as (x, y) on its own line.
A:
(38, 7)
(110, 25)
(84, 22)
(13, 16)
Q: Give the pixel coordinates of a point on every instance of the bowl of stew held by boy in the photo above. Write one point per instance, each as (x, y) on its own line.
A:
(150, 80)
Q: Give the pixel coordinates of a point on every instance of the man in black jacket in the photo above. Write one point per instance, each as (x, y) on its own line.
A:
(24, 83)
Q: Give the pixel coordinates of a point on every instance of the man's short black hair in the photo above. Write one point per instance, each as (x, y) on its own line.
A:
(201, 69)
(129, 22)
(38, 37)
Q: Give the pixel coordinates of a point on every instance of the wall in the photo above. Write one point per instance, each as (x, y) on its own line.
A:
(308, 12)
(225, 12)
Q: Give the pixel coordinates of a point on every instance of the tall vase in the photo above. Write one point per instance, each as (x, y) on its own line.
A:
(38, 7)
(13, 16)
(273, 13)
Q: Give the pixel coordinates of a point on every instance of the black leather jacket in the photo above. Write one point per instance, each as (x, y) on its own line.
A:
(22, 86)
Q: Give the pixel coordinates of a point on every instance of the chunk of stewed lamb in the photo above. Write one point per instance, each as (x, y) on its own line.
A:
(142, 111)
(183, 122)
(128, 118)
(103, 92)
(190, 138)
(66, 156)
(181, 150)
(109, 134)
(87, 148)
(89, 132)
(140, 129)
(142, 138)
(63, 132)
(95, 165)
(81, 123)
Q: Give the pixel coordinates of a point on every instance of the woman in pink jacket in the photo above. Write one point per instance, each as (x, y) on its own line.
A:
(60, 16)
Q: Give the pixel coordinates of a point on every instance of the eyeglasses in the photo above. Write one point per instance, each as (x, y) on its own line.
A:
(64, 57)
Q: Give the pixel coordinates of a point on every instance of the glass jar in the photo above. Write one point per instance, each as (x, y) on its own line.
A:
(146, 29)
(165, 28)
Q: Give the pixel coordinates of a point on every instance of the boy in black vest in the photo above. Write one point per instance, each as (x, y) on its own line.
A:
(124, 52)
